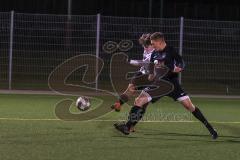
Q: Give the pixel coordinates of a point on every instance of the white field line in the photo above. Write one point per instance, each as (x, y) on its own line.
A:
(102, 120)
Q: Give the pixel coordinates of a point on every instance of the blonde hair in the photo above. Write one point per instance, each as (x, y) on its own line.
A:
(145, 40)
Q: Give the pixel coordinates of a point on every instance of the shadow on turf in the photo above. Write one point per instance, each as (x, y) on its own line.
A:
(163, 137)
(196, 135)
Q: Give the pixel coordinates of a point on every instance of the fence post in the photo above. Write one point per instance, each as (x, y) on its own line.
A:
(69, 10)
(97, 48)
(181, 43)
(10, 51)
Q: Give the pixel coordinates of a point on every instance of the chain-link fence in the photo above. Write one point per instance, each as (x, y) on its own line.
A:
(33, 45)
(211, 50)
(4, 48)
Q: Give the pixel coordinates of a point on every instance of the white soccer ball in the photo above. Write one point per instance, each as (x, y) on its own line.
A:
(83, 103)
(155, 61)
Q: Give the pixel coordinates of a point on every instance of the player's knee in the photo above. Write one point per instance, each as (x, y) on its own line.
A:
(187, 103)
(189, 106)
(139, 101)
(131, 89)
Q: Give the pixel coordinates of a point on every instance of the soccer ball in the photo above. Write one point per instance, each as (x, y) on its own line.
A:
(155, 61)
(83, 103)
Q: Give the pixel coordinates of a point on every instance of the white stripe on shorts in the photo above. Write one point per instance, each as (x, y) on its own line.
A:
(182, 98)
(148, 96)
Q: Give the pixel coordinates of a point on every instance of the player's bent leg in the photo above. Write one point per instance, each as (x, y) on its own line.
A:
(124, 97)
(138, 110)
(186, 102)
(144, 107)
(130, 90)
(142, 99)
(135, 115)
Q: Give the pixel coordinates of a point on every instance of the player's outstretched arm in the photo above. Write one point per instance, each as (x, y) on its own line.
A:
(137, 63)
(179, 62)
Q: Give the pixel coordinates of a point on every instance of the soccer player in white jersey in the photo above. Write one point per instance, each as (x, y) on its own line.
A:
(141, 76)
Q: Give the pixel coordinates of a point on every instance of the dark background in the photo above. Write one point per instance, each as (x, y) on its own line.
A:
(201, 9)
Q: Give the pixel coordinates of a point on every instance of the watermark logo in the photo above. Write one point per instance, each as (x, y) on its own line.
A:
(112, 47)
(118, 74)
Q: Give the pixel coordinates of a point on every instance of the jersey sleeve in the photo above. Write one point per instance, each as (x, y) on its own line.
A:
(151, 64)
(179, 62)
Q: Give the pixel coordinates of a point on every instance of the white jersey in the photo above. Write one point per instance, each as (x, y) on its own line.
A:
(146, 59)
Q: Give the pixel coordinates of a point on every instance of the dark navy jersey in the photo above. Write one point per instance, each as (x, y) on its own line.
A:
(168, 57)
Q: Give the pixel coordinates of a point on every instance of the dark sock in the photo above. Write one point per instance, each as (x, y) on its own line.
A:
(143, 112)
(123, 99)
(198, 114)
(135, 115)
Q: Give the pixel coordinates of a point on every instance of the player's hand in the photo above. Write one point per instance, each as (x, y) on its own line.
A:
(177, 69)
(151, 77)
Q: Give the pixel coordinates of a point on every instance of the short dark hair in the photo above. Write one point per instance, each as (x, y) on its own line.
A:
(157, 36)
(145, 40)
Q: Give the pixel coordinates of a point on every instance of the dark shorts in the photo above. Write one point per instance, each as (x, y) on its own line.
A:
(166, 87)
(140, 80)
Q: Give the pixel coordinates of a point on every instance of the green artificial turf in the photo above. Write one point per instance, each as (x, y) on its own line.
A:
(29, 130)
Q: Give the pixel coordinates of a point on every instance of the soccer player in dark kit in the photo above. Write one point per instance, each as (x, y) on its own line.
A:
(163, 56)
